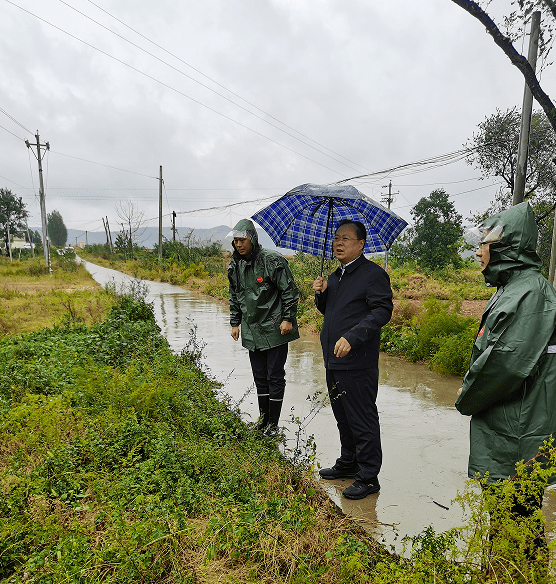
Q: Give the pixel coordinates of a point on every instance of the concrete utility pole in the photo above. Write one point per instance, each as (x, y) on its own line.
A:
(388, 199)
(45, 238)
(173, 226)
(160, 217)
(526, 111)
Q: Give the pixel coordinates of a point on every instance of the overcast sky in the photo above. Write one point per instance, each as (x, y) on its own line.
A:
(380, 84)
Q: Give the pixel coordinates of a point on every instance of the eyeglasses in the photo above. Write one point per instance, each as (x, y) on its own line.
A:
(339, 239)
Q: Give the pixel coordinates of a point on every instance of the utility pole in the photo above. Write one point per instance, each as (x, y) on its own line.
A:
(9, 238)
(173, 226)
(160, 217)
(109, 236)
(86, 238)
(106, 232)
(388, 199)
(526, 110)
(30, 240)
(45, 238)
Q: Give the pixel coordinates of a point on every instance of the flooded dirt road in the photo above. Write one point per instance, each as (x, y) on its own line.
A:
(424, 438)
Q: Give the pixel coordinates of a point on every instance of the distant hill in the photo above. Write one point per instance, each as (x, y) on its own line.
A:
(150, 236)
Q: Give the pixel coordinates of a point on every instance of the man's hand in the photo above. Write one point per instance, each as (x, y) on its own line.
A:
(285, 327)
(459, 391)
(235, 333)
(341, 348)
(320, 284)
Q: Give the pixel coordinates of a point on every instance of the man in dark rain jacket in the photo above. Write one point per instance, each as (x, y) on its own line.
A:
(263, 303)
(356, 302)
(510, 388)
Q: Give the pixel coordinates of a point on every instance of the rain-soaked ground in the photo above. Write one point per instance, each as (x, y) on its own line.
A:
(424, 438)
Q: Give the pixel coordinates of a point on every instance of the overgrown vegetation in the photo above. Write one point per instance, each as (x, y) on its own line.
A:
(119, 464)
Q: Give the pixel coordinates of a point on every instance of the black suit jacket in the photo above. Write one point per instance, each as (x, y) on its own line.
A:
(355, 307)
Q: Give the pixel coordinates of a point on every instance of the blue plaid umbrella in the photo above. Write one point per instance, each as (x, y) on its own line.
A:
(306, 217)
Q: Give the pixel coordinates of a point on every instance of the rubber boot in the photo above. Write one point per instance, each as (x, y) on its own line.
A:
(264, 413)
(274, 415)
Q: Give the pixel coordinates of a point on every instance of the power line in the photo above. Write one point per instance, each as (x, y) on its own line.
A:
(228, 206)
(172, 88)
(13, 181)
(15, 121)
(217, 83)
(458, 194)
(214, 91)
(12, 133)
(100, 163)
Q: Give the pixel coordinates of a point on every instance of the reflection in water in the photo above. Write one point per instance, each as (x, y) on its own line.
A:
(424, 438)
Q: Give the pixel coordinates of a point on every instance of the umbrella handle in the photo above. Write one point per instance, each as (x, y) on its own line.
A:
(330, 204)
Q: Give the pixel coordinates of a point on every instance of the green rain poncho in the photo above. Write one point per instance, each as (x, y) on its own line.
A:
(510, 388)
(262, 294)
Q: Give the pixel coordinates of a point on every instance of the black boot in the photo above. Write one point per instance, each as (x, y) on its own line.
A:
(264, 413)
(274, 413)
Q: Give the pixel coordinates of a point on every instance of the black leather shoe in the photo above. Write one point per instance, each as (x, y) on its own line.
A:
(337, 473)
(359, 489)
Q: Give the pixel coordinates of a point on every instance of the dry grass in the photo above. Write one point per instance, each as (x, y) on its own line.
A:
(31, 302)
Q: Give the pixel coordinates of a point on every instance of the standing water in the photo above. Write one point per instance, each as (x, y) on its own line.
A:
(424, 438)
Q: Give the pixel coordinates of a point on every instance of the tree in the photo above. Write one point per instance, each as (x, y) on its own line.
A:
(436, 232)
(13, 215)
(514, 22)
(494, 150)
(56, 229)
(132, 224)
(496, 155)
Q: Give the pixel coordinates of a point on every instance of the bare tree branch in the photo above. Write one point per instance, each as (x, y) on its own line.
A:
(517, 60)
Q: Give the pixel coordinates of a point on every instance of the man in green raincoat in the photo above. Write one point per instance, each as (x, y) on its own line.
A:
(510, 387)
(263, 304)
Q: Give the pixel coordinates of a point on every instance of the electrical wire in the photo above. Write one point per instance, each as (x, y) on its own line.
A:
(13, 181)
(219, 84)
(12, 133)
(210, 88)
(456, 194)
(173, 88)
(15, 121)
(101, 164)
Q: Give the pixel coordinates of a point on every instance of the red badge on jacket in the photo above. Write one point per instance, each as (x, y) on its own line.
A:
(259, 280)
(481, 331)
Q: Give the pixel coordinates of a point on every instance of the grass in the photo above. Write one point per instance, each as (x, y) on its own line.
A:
(31, 300)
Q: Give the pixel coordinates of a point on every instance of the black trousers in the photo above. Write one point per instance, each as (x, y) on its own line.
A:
(353, 399)
(270, 380)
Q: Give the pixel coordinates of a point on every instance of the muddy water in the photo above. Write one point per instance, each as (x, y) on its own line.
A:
(424, 438)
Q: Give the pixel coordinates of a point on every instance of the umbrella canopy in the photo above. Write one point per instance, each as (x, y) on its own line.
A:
(306, 217)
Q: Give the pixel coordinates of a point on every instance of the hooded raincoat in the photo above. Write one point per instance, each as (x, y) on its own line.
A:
(262, 294)
(510, 388)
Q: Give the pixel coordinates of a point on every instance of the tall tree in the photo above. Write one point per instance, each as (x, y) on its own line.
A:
(494, 152)
(12, 215)
(56, 229)
(437, 231)
(514, 22)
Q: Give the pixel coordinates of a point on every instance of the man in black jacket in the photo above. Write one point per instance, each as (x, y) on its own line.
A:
(356, 302)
